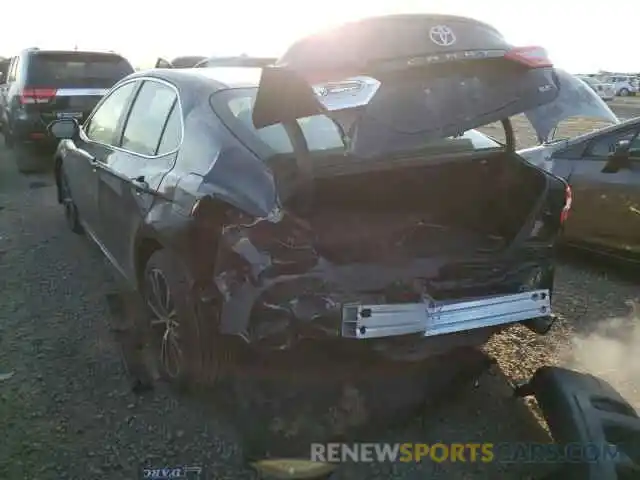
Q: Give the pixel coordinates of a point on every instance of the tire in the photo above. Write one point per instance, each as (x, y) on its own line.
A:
(7, 135)
(197, 354)
(624, 92)
(70, 209)
(27, 160)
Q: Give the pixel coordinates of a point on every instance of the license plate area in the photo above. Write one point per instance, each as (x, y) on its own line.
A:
(441, 317)
(76, 115)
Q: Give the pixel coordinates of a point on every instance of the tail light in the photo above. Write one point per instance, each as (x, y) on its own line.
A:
(532, 57)
(31, 96)
(568, 199)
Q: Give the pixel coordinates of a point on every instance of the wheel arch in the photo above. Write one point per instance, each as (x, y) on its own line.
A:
(145, 246)
(195, 241)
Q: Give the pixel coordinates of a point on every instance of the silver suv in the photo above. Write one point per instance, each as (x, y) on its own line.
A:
(625, 85)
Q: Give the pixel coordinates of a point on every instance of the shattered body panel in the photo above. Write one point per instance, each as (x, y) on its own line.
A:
(272, 267)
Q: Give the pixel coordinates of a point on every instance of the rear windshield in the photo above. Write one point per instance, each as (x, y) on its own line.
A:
(235, 108)
(77, 70)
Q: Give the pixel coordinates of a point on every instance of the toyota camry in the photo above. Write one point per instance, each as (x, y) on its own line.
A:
(339, 197)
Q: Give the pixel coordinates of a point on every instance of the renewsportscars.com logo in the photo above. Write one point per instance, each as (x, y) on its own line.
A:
(462, 452)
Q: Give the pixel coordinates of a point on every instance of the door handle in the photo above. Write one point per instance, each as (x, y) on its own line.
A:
(93, 161)
(140, 183)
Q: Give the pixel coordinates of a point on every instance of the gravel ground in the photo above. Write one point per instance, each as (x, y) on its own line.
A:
(67, 412)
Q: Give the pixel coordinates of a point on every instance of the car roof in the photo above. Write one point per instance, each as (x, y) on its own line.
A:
(187, 61)
(37, 51)
(220, 78)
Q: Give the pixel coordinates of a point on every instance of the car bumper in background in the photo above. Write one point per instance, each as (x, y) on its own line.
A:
(32, 128)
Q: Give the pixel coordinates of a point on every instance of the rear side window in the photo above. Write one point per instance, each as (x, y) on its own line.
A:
(148, 117)
(172, 135)
(76, 70)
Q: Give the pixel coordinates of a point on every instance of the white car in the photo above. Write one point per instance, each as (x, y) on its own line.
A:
(606, 91)
(625, 85)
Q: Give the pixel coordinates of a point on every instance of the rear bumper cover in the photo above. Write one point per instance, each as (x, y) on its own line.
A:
(26, 124)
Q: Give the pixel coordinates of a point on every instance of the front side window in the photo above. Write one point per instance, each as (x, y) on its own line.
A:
(103, 124)
(148, 117)
(605, 146)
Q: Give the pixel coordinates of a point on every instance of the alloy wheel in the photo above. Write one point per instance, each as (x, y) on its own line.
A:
(164, 322)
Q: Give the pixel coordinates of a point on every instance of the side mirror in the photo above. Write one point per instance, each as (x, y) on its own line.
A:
(619, 159)
(65, 128)
(622, 147)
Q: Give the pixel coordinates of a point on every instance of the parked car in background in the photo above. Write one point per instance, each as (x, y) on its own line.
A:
(204, 62)
(179, 62)
(603, 169)
(44, 85)
(606, 91)
(241, 61)
(357, 214)
(625, 85)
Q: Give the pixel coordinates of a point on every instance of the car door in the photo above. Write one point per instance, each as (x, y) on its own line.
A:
(94, 146)
(129, 181)
(606, 204)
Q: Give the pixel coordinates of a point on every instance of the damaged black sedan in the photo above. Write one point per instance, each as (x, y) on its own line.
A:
(339, 196)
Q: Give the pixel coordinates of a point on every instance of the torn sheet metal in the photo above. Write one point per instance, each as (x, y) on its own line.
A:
(280, 281)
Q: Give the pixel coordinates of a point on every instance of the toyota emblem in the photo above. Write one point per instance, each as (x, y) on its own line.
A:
(442, 35)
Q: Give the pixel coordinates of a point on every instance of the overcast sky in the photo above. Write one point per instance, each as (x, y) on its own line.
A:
(581, 36)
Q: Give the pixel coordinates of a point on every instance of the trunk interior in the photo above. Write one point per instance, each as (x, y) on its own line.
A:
(403, 209)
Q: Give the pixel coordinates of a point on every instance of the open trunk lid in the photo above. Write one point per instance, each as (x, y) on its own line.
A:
(575, 99)
(398, 214)
(414, 78)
